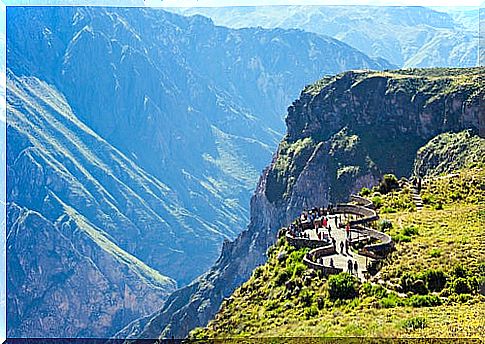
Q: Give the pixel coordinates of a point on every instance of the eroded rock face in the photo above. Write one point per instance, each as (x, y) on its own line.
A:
(343, 133)
(73, 285)
(67, 274)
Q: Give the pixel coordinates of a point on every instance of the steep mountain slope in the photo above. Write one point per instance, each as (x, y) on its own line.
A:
(439, 253)
(343, 133)
(67, 273)
(449, 152)
(405, 36)
(145, 81)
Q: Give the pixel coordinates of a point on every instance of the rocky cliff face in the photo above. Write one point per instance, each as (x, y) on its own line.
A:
(343, 133)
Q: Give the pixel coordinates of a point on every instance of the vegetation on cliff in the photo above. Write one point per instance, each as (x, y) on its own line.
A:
(432, 285)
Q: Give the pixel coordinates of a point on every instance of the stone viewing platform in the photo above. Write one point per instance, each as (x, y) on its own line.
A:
(340, 238)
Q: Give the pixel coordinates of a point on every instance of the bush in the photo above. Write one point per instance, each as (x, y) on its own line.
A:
(365, 192)
(310, 312)
(306, 297)
(373, 290)
(424, 301)
(435, 279)
(384, 225)
(435, 253)
(413, 283)
(388, 184)
(281, 277)
(377, 201)
(460, 271)
(399, 237)
(415, 323)
(463, 285)
(342, 286)
(391, 301)
(410, 230)
(464, 298)
(388, 210)
(298, 269)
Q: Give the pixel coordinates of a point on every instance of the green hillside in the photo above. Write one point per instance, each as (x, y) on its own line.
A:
(432, 285)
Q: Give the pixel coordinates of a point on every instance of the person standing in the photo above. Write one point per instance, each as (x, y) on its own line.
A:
(349, 266)
(356, 266)
(342, 247)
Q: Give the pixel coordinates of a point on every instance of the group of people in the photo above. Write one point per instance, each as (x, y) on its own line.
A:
(315, 218)
(319, 220)
(352, 267)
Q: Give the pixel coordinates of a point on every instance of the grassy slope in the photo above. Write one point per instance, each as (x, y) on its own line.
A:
(446, 237)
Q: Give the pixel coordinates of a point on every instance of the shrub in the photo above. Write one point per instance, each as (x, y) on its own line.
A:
(399, 237)
(435, 253)
(414, 283)
(306, 297)
(342, 286)
(391, 301)
(365, 192)
(460, 271)
(281, 277)
(310, 312)
(384, 225)
(388, 184)
(373, 290)
(424, 301)
(435, 279)
(464, 298)
(462, 285)
(410, 230)
(415, 323)
(298, 269)
(388, 210)
(377, 201)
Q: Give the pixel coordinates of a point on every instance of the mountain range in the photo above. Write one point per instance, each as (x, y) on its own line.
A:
(405, 36)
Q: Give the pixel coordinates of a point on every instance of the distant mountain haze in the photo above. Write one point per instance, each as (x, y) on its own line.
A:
(135, 138)
(406, 36)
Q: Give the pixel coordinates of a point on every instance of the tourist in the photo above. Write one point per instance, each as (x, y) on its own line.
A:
(349, 266)
(347, 246)
(347, 229)
(331, 263)
(341, 247)
(355, 267)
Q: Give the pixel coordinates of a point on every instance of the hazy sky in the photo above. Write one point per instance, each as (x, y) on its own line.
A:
(218, 3)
